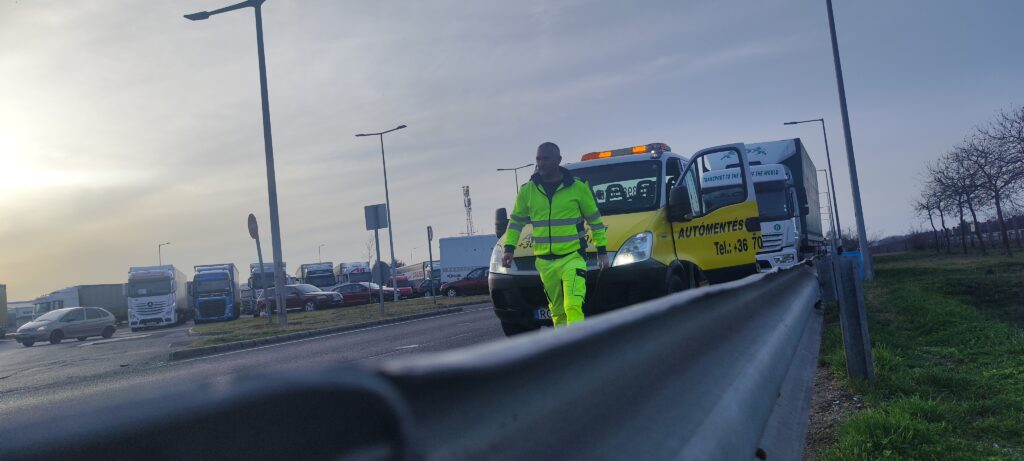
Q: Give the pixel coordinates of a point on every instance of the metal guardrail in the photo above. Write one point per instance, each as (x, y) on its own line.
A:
(696, 375)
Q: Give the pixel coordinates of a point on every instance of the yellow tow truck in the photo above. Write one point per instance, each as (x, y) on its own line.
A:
(673, 223)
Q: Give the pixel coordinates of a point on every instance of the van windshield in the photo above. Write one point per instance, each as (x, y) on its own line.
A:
(624, 187)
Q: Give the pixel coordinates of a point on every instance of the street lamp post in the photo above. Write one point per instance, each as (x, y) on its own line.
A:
(160, 253)
(831, 177)
(858, 211)
(516, 171)
(831, 210)
(387, 199)
(319, 255)
(268, 145)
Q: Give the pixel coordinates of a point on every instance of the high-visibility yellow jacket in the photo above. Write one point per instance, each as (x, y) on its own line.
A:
(557, 220)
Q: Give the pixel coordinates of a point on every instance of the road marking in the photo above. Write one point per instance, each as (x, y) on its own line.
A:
(112, 340)
(407, 347)
(466, 311)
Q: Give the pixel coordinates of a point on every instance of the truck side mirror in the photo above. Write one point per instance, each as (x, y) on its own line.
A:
(679, 207)
(500, 221)
(806, 210)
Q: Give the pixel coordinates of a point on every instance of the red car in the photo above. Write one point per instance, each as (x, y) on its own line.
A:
(302, 296)
(474, 283)
(357, 293)
(405, 289)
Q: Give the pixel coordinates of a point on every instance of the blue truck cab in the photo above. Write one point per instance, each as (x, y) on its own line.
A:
(214, 292)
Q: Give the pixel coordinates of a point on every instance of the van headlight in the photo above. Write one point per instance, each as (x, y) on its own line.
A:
(496, 254)
(637, 248)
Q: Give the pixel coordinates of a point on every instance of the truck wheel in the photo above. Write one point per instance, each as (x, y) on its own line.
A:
(451, 292)
(512, 329)
(107, 332)
(309, 307)
(56, 337)
(28, 343)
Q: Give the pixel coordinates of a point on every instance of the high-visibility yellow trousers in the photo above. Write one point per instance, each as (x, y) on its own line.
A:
(565, 284)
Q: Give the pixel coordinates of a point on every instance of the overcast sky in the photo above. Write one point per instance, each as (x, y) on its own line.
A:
(123, 125)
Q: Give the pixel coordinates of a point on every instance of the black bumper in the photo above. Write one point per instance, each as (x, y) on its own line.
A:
(516, 297)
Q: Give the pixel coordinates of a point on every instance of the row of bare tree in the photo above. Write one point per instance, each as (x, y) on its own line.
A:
(982, 175)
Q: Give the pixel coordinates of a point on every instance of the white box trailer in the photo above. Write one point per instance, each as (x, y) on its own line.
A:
(460, 255)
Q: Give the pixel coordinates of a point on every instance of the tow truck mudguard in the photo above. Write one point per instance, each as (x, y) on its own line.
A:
(517, 296)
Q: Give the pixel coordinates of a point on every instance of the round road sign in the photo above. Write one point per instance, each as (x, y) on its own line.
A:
(254, 230)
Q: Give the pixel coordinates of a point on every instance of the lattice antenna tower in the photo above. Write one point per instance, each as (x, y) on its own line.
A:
(468, 203)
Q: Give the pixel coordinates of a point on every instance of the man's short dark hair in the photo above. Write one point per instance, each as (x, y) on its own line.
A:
(551, 148)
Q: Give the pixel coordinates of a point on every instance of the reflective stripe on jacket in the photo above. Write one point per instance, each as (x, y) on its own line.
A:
(557, 220)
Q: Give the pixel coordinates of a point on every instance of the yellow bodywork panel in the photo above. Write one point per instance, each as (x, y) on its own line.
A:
(719, 239)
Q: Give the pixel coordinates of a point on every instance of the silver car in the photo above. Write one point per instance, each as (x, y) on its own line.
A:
(69, 322)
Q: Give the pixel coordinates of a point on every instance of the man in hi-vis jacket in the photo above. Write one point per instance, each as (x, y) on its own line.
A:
(557, 204)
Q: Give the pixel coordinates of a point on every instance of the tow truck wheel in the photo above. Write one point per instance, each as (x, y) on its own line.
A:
(56, 337)
(309, 307)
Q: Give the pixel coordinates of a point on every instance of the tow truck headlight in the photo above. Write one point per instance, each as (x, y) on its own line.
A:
(637, 248)
(496, 254)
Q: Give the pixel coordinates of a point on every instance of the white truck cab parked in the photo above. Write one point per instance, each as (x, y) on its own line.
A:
(156, 297)
(786, 185)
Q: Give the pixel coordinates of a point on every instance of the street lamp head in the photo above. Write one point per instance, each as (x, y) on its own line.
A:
(790, 123)
(400, 127)
(361, 135)
(198, 16)
(166, 243)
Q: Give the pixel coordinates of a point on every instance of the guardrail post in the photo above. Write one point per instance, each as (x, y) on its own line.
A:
(827, 279)
(853, 320)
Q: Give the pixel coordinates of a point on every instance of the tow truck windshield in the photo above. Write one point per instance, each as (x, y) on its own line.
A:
(624, 187)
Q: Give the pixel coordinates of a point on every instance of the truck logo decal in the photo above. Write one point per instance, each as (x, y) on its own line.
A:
(700, 230)
(757, 151)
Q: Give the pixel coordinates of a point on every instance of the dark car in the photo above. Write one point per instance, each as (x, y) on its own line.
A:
(357, 293)
(474, 283)
(302, 296)
(423, 287)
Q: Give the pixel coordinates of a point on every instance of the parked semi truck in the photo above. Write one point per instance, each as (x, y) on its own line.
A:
(665, 233)
(320, 275)
(215, 293)
(156, 297)
(353, 272)
(109, 296)
(786, 185)
(460, 255)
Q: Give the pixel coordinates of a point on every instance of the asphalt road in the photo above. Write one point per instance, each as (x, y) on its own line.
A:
(34, 381)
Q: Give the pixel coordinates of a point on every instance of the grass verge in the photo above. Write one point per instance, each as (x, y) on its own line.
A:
(253, 328)
(949, 355)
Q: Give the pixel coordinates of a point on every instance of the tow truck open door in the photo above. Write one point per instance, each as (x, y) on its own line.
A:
(714, 215)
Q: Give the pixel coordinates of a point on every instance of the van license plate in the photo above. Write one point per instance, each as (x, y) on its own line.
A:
(542, 314)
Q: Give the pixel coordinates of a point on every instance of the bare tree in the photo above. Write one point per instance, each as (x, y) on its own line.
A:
(923, 206)
(999, 174)
(370, 246)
